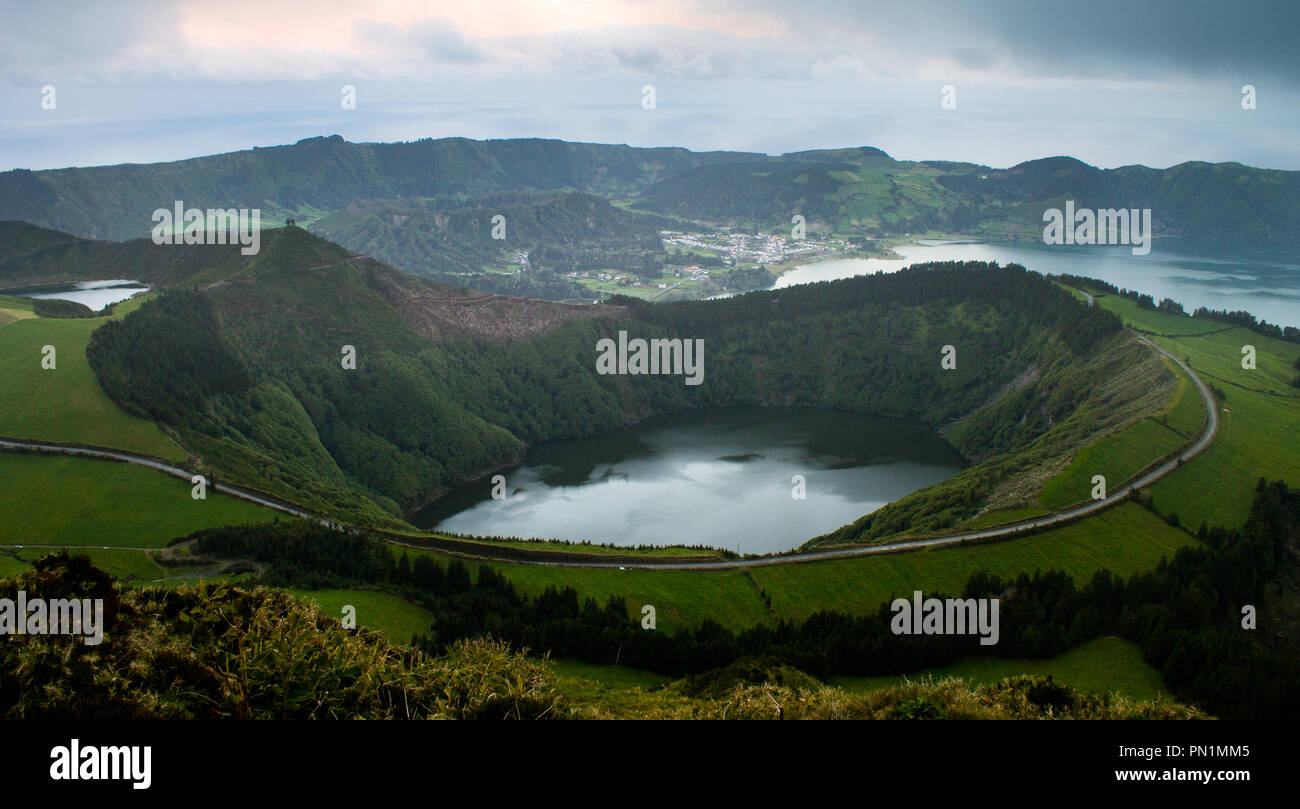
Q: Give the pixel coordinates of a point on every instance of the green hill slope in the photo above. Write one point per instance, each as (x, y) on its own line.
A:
(860, 190)
(866, 191)
(452, 241)
(326, 174)
(450, 384)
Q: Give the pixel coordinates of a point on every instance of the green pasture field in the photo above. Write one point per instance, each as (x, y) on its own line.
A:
(1259, 430)
(681, 598)
(60, 500)
(388, 613)
(1124, 539)
(65, 404)
(1100, 666)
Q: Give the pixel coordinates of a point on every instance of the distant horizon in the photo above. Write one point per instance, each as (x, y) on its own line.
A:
(886, 152)
(991, 83)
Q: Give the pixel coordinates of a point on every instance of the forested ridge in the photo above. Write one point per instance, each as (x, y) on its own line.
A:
(249, 372)
(451, 241)
(852, 190)
(327, 174)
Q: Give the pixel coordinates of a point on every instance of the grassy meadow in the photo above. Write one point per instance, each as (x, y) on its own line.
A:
(62, 500)
(65, 404)
(1125, 454)
(391, 614)
(681, 598)
(1259, 430)
(1100, 666)
(1125, 539)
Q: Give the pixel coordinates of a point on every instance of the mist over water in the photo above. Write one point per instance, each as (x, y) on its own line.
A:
(717, 476)
(1263, 279)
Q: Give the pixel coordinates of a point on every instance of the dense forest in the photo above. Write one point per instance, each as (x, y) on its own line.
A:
(1186, 614)
(542, 236)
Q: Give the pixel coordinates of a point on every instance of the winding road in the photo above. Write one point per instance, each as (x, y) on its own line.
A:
(161, 466)
(1082, 510)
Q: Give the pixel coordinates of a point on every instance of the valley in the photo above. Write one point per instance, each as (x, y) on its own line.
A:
(553, 360)
(1057, 381)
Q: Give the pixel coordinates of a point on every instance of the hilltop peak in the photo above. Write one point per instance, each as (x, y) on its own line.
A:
(321, 140)
(295, 248)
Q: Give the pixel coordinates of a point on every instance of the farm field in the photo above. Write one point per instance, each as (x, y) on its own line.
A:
(681, 598)
(1123, 455)
(1259, 420)
(1124, 539)
(385, 612)
(65, 404)
(1099, 666)
(58, 500)
(612, 677)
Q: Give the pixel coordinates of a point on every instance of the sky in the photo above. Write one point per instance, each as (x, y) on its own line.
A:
(1111, 82)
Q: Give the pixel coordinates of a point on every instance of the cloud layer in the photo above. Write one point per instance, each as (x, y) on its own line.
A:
(1111, 81)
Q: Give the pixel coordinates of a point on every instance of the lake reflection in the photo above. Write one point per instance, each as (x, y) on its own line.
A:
(1263, 279)
(95, 294)
(718, 476)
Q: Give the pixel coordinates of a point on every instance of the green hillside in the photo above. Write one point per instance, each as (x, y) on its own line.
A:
(65, 404)
(52, 500)
(326, 174)
(446, 388)
(854, 190)
(867, 192)
(451, 241)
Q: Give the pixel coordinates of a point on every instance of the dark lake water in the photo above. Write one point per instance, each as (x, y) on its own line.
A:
(720, 477)
(1262, 279)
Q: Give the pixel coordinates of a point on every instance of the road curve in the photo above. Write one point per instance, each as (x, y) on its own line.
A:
(1003, 531)
(1074, 513)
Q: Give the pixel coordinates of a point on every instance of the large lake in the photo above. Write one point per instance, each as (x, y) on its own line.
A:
(719, 476)
(95, 294)
(1261, 279)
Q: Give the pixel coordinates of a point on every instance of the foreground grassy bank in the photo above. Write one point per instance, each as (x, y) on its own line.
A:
(263, 654)
(1099, 666)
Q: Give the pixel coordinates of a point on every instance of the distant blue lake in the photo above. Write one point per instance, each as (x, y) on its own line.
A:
(95, 294)
(1263, 279)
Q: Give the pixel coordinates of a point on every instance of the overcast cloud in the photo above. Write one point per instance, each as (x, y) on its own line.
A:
(1110, 82)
